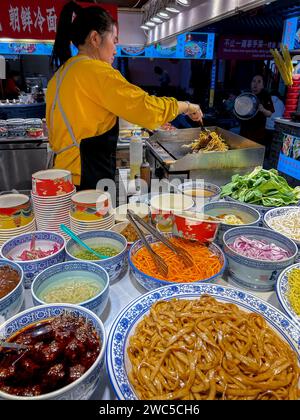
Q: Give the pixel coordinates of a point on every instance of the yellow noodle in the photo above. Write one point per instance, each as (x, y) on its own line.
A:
(203, 349)
(294, 290)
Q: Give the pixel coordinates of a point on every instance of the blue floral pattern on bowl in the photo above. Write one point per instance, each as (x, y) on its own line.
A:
(261, 209)
(282, 287)
(150, 283)
(84, 387)
(257, 274)
(114, 266)
(45, 240)
(117, 360)
(278, 212)
(84, 269)
(12, 303)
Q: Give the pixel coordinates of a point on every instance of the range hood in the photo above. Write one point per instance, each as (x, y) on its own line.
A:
(200, 14)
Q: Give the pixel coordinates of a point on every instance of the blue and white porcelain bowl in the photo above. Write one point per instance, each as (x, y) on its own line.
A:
(282, 289)
(12, 303)
(213, 190)
(115, 266)
(43, 240)
(261, 209)
(117, 360)
(281, 212)
(84, 387)
(150, 283)
(257, 274)
(60, 273)
(249, 216)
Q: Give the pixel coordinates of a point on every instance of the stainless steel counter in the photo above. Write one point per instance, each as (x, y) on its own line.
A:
(19, 159)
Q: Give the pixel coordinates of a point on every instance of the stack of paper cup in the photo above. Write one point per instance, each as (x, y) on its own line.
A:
(16, 216)
(91, 210)
(52, 191)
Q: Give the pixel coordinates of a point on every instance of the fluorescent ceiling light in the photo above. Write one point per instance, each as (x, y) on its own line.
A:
(156, 19)
(150, 24)
(146, 28)
(173, 9)
(184, 3)
(164, 15)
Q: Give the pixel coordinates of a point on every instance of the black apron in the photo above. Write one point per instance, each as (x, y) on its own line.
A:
(98, 158)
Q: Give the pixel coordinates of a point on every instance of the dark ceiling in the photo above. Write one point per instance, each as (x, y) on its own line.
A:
(124, 3)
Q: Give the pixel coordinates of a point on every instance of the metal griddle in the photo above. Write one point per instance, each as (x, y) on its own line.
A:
(166, 149)
(175, 149)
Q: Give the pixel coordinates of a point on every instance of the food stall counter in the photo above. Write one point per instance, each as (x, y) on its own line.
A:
(123, 292)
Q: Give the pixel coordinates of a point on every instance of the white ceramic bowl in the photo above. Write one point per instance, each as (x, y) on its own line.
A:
(116, 265)
(124, 326)
(13, 301)
(84, 387)
(257, 274)
(279, 212)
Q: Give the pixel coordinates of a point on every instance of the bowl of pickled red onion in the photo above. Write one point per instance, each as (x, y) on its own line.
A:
(35, 252)
(256, 256)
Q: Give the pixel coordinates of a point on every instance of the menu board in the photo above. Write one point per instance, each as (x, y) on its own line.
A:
(291, 36)
(289, 160)
(192, 45)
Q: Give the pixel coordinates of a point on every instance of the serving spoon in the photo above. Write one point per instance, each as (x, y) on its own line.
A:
(13, 346)
(72, 235)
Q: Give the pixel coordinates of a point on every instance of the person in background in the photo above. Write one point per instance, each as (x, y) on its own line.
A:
(255, 128)
(87, 95)
(270, 124)
(11, 88)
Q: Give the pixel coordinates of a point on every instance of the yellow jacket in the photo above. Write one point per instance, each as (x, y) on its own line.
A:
(93, 94)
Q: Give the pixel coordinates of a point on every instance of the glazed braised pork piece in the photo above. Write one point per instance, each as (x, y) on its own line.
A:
(60, 351)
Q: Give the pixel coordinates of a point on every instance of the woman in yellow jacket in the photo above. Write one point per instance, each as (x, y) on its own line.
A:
(87, 95)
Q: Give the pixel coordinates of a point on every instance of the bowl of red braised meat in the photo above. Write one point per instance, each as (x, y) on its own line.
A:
(62, 355)
(11, 289)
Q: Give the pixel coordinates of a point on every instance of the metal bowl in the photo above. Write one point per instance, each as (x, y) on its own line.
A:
(246, 106)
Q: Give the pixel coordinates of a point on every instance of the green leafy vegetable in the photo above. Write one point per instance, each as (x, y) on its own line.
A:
(263, 188)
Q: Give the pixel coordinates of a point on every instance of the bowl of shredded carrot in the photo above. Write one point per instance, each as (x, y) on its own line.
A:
(209, 263)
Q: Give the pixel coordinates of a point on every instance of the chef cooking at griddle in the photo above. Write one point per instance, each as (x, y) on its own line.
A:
(87, 95)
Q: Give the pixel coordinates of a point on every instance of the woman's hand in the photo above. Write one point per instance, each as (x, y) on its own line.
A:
(262, 109)
(192, 110)
(195, 113)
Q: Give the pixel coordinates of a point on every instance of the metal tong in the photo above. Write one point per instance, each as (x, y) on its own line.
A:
(159, 262)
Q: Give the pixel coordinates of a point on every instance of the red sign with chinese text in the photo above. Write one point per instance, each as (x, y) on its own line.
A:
(245, 48)
(35, 19)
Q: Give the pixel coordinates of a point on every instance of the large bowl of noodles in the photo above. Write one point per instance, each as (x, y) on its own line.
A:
(203, 341)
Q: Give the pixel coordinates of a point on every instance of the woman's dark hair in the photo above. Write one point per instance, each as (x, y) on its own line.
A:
(76, 31)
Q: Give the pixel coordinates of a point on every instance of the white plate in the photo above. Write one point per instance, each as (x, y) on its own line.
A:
(282, 289)
(124, 325)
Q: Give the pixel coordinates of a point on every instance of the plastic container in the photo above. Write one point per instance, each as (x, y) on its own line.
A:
(146, 172)
(136, 156)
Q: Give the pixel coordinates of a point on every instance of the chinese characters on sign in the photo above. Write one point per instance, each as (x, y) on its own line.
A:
(245, 48)
(35, 19)
(29, 19)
